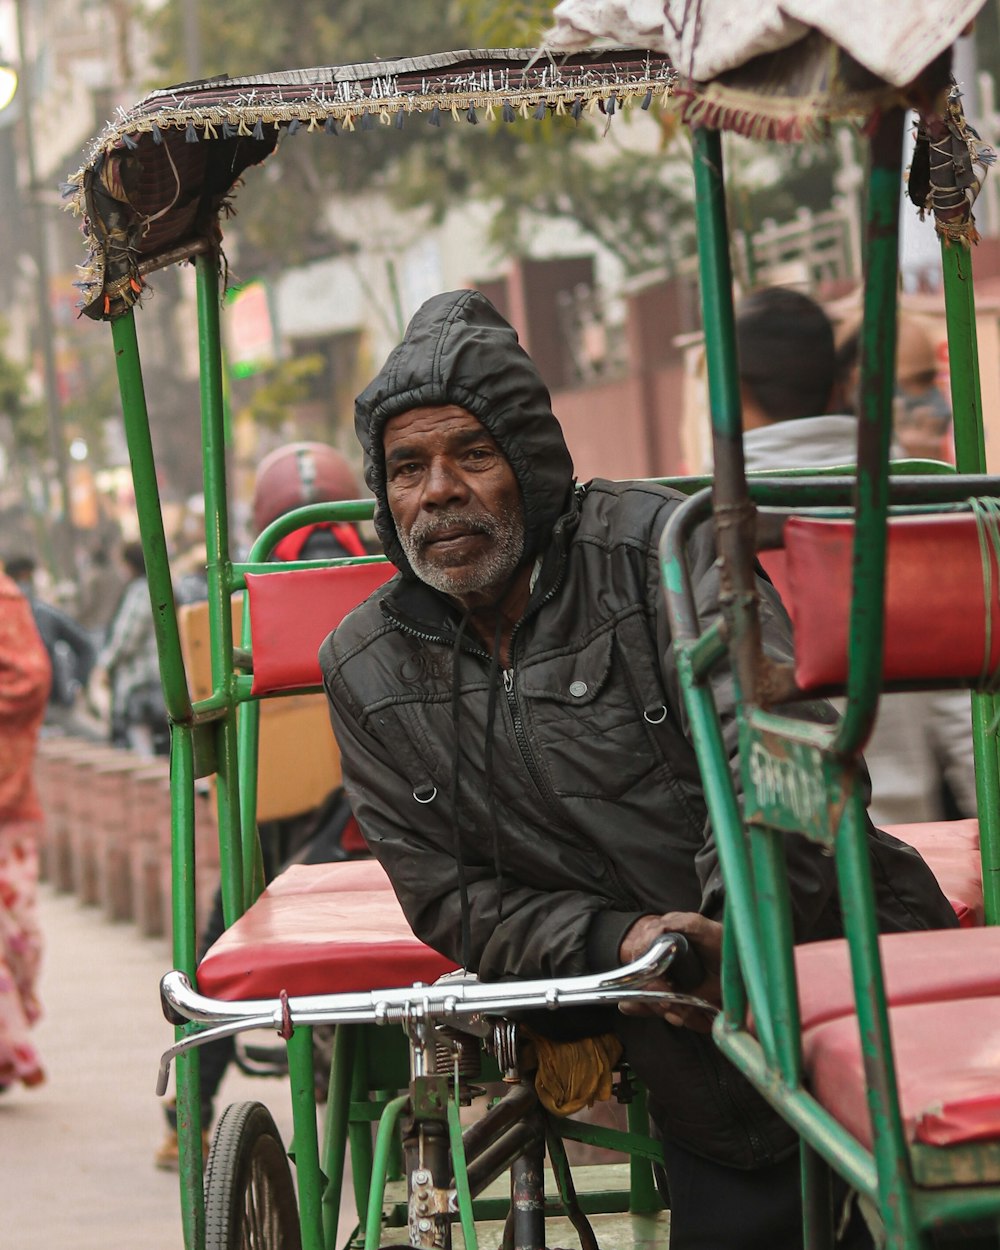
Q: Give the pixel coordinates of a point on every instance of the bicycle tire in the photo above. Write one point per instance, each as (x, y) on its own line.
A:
(250, 1199)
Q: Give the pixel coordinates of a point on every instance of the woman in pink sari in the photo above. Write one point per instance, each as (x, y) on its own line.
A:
(25, 676)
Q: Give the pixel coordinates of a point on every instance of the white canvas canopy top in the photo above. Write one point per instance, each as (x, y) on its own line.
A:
(707, 38)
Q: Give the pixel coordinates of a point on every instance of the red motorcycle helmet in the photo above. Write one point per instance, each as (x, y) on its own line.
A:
(298, 474)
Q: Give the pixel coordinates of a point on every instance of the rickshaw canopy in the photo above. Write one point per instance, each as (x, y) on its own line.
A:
(162, 174)
(780, 68)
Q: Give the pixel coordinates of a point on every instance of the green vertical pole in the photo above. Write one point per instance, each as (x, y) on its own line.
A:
(643, 1195)
(733, 510)
(338, 1110)
(178, 706)
(970, 457)
(185, 925)
(150, 515)
(306, 1146)
(235, 890)
(878, 356)
(889, 1146)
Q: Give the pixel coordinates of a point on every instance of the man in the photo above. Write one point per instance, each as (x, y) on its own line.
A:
(514, 743)
(922, 419)
(920, 752)
(70, 648)
(128, 666)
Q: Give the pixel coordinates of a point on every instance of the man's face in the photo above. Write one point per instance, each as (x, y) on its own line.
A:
(455, 501)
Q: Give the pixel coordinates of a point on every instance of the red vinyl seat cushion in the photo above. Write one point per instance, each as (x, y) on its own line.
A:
(293, 610)
(943, 992)
(319, 929)
(929, 966)
(935, 620)
(951, 849)
(948, 1070)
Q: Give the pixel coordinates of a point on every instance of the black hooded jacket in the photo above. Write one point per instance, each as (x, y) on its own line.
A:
(586, 810)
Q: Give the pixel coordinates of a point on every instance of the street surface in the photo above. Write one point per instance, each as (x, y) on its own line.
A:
(76, 1154)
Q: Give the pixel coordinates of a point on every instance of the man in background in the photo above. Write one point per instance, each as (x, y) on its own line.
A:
(920, 751)
(71, 650)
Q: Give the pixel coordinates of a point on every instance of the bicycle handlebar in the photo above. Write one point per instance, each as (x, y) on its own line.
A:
(443, 1001)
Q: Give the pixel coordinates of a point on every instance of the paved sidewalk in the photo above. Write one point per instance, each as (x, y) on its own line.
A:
(76, 1154)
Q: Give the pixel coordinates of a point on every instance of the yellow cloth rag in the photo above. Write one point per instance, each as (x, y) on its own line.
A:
(573, 1075)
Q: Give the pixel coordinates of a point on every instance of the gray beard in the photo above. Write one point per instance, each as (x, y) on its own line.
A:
(493, 568)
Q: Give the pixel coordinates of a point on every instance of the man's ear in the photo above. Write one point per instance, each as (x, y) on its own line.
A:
(753, 415)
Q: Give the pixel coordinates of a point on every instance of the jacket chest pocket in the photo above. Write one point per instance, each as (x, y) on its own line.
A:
(592, 732)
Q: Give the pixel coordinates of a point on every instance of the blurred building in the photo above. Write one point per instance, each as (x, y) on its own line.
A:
(621, 356)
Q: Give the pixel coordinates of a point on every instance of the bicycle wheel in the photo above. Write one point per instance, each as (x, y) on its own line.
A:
(249, 1196)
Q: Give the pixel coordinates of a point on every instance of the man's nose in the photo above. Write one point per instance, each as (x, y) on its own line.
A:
(442, 485)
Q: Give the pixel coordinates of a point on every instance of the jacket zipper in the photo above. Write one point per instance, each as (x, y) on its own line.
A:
(440, 639)
(551, 799)
(525, 748)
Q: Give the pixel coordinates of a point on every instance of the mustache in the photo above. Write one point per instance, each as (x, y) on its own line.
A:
(426, 529)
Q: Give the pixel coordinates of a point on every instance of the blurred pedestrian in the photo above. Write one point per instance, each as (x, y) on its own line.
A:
(921, 416)
(129, 666)
(71, 649)
(25, 675)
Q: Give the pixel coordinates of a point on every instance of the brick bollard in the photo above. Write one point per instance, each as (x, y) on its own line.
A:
(57, 793)
(148, 812)
(90, 817)
(112, 796)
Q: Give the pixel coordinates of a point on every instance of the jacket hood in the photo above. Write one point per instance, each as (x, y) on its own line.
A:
(459, 350)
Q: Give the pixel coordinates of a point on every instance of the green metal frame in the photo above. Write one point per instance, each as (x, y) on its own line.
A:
(913, 1192)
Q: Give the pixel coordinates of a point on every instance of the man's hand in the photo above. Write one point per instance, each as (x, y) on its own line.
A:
(97, 693)
(705, 936)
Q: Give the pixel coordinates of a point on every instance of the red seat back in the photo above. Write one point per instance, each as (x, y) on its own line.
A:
(293, 610)
(935, 612)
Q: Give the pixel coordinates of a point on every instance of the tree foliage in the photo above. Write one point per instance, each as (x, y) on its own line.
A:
(284, 385)
(526, 170)
(26, 417)
(629, 190)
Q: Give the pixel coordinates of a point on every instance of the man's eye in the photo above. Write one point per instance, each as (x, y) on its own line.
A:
(406, 469)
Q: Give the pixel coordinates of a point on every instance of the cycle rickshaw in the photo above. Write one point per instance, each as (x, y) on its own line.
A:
(151, 194)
